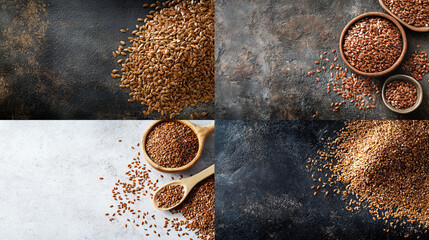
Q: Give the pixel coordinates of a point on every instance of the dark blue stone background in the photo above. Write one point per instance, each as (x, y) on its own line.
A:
(263, 189)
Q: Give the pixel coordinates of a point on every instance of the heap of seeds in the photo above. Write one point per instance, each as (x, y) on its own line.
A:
(198, 207)
(401, 94)
(171, 144)
(413, 12)
(372, 44)
(170, 63)
(138, 183)
(384, 167)
(169, 195)
(356, 90)
(417, 65)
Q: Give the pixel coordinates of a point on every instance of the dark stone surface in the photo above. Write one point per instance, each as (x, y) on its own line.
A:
(57, 59)
(263, 189)
(264, 50)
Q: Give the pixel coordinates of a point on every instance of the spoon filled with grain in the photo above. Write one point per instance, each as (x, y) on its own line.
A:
(174, 146)
(174, 193)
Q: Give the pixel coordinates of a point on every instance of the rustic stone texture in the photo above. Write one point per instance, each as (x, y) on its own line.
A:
(264, 50)
(263, 188)
(63, 69)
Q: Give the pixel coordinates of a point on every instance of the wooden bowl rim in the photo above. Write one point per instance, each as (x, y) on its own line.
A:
(398, 61)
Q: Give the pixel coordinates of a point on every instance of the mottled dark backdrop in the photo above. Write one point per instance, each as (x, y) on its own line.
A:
(263, 188)
(264, 50)
(57, 59)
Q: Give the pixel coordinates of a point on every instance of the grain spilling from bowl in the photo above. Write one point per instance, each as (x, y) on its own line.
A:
(372, 44)
(401, 94)
(169, 196)
(140, 183)
(170, 61)
(171, 144)
(381, 166)
(413, 12)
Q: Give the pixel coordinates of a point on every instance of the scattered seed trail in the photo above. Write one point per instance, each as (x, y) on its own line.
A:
(356, 90)
(139, 183)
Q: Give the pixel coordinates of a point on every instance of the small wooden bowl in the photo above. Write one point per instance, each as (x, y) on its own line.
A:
(202, 133)
(401, 77)
(398, 61)
(411, 27)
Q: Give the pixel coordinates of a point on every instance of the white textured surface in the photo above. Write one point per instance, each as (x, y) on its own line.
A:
(49, 179)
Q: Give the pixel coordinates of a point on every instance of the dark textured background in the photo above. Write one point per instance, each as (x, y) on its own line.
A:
(264, 50)
(57, 59)
(263, 188)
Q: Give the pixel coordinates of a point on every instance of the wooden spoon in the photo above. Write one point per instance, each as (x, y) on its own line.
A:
(187, 183)
(202, 133)
(414, 28)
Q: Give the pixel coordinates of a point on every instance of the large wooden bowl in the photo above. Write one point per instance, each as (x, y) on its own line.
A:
(398, 61)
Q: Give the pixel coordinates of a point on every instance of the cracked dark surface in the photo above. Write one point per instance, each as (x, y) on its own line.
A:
(264, 50)
(263, 188)
(57, 60)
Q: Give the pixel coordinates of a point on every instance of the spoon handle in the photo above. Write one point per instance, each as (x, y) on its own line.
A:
(205, 131)
(192, 181)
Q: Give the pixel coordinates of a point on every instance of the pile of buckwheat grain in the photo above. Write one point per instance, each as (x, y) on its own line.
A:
(372, 44)
(413, 12)
(384, 167)
(171, 144)
(170, 61)
(139, 183)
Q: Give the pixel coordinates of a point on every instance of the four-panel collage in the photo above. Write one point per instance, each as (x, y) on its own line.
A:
(214, 119)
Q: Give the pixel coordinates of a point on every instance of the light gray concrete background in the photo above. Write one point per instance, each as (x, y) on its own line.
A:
(49, 179)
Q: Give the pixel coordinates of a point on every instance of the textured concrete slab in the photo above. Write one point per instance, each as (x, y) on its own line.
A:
(49, 179)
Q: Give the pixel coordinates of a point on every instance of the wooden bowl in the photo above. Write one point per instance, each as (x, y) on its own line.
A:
(398, 61)
(401, 77)
(202, 133)
(411, 27)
